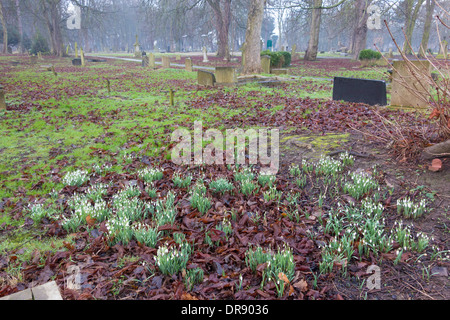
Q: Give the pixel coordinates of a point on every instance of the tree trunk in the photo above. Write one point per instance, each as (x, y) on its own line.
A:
(19, 26)
(427, 26)
(314, 32)
(52, 14)
(5, 30)
(251, 54)
(222, 12)
(437, 151)
(410, 22)
(359, 38)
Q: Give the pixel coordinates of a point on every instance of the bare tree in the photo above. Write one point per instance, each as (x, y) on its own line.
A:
(314, 32)
(5, 30)
(251, 54)
(222, 12)
(359, 37)
(430, 5)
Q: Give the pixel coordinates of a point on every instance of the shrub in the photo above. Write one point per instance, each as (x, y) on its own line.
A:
(278, 59)
(39, 44)
(369, 54)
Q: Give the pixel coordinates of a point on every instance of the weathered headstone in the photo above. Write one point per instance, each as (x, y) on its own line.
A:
(205, 78)
(205, 55)
(390, 54)
(280, 71)
(225, 75)
(83, 60)
(145, 61)
(33, 59)
(265, 64)
(76, 62)
(165, 62)
(151, 61)
(372, 92)
(2, 99)
(137, 49)
(188, 64)
(400, 95)
(294, 50)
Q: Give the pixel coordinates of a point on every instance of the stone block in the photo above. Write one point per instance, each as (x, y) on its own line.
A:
(21, 295)
(265, 64)
(280, 71)
(165, 62)
(48, 291)
(401, 96)
(225, 75)
(205, 78)
(188, 64)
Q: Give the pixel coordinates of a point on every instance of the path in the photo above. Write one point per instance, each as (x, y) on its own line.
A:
(194, 67)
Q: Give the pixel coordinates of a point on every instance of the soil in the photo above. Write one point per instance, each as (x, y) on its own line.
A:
(406, 281)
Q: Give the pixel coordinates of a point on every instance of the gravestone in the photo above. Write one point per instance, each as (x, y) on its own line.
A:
(205, 78)
(265, 64)
(280, 71)
(2, 99)
(151, 61)
(225, 75)
(390, 54)
(165, 62)
(33, 60)
(76, 62)
(188, 64)
(83, 61)
(401, 96)
(145, 61)
(372, 92)
(205, 55)
(137, 49)
(294, 50)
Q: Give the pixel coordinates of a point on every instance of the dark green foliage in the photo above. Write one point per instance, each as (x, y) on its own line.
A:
(279, 59)
(369, 54)
(39, 44)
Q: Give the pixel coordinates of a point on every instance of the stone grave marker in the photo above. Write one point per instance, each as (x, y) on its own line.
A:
(265, 64)
(205, 55)
(402, 97)
(280, 71)
(188, 64)
(76, 62)
(372, 92)
(225, 75)
(205, 78)
(165, 62)
(83, 60)
(151, 61)
(145, 61)
(33, 60)
(2, 99)
(294, 50)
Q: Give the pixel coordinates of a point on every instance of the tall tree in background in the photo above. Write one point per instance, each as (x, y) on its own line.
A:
(51, 10)
(314, 32)
(19, 25)
(412, 8)
(430, 5)
(251, 54)
(5, 30)
(359, 37)
(222, 12)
